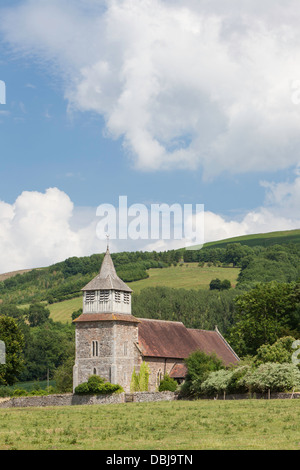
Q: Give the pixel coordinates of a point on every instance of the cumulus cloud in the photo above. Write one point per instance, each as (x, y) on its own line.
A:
(36, 230)
(184, 84)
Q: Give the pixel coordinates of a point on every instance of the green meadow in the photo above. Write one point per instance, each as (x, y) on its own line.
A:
(179, 425)
(186, 276)
(259, 239)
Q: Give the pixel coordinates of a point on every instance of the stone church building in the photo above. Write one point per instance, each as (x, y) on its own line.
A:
(110, 341)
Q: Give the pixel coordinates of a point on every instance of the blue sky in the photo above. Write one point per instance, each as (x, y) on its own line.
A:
(165, 102)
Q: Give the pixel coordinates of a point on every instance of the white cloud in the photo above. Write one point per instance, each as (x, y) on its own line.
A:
(37, 231)
(184, 83)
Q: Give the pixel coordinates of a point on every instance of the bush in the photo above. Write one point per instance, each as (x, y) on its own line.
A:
(226, 381)
(274, 377)
(217, 382)
(199, 366)
(97, 386)
(19, 392)
(167, 384)
(140, 381)
(82, 389)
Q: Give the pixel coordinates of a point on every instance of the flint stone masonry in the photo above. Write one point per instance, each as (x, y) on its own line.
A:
(67, 399)
(140, 397)
(70, 399)
(117, 353)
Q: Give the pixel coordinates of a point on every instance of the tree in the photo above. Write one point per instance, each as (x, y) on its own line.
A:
(48, 347)
(217, 382)
(273, 377)
(225, 284)
(262, 315)
(234, 253)
(13, 339)
(199, 365)
(215, 284)
(281, 351)
(63, 376)
(37, 314)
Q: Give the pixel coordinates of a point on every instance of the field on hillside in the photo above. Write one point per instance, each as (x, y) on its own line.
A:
(196, 425)
(262, 239)
(187, 276)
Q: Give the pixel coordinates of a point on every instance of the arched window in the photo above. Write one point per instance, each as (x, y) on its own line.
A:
(94, 371)
(159, 377)
(95, 348)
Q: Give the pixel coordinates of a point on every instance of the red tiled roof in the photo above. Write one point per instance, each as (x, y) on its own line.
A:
(170, 339)
(178, 371)
(158, 338)
(213, 342)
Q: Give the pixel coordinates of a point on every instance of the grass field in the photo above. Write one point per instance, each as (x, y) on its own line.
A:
(197, 425)
(187, 276)
(262, 239)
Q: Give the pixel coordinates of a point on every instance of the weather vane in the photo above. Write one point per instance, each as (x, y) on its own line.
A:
(107, 238)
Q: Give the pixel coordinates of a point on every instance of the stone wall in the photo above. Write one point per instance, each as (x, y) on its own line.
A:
(150, 396)
(69, 399)
(117, 353)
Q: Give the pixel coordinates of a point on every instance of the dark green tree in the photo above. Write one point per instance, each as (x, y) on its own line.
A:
(199, 365)
(263, 315)
(37, 314)
(11, 336)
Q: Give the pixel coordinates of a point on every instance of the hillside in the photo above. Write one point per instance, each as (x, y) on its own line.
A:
(259, 239)
(186, 276)
(256, 258)
(13, 273)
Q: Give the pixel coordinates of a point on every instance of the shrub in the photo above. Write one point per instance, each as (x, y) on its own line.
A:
(199, 366)
(226, 381)
(274, 377)
(19, 392)
(217, 382)
(82, 389)
(140, 381)
(97, 386)
(167, 384)
(134, 384)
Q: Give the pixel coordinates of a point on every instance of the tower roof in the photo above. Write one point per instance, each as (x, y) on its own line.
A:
(107, 278)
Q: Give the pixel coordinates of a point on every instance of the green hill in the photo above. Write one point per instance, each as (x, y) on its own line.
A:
(259, 239)
(186, 276)
(260, 258)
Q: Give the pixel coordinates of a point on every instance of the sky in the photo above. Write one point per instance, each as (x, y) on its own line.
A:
(165, 102)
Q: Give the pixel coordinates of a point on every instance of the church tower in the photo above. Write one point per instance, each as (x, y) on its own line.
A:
(106, 332)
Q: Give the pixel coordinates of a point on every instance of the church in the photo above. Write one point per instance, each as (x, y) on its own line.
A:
(111, 342)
